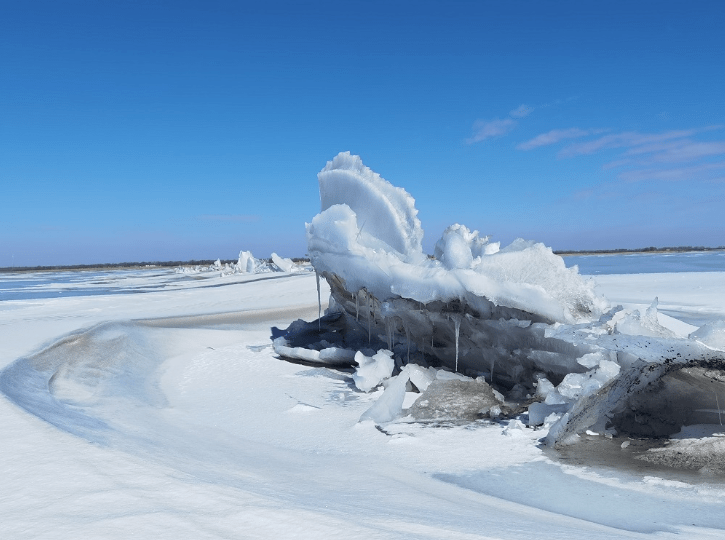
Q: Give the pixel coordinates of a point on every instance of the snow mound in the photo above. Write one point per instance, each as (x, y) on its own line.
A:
(369, 236)
(384, 211)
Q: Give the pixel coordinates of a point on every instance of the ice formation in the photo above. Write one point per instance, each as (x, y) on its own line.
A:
(513, 320)
(372, 370)
(246, 264)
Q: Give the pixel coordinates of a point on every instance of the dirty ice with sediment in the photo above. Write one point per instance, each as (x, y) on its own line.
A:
(156, 403)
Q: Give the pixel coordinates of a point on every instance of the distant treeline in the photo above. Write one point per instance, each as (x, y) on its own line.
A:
(678, 249)
(128, 265)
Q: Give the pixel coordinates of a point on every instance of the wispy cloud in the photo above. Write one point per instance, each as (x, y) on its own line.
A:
(629, 139)
(521, 111)
(485, 129)
(554, 136)
(671, 174)
(245, 218)
(640, 163)
(688, 151)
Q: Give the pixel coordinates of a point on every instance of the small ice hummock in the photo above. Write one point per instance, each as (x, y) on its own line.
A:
(285, 265)
(246, 264)
(372, 370)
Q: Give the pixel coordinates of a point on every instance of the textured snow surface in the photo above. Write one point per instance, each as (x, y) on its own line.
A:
(167, 415)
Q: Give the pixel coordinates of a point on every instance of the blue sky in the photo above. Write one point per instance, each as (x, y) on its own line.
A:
(167, 130)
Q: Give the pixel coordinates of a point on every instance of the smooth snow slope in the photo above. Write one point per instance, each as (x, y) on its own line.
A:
(166, 415)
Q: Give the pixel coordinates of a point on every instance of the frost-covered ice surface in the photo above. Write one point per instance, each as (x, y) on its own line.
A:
(167, 415)
(649, 263)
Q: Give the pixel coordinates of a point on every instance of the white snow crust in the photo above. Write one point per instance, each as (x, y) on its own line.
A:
(170, 416)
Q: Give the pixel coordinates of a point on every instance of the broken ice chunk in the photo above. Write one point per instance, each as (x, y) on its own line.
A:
(455, 399)
(638, 324)
(421, 377)
(539, 412)
(712, 335)
(390, 404)
(372, 370)
(286, 265)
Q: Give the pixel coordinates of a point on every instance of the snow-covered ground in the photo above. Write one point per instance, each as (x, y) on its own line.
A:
(166, 414)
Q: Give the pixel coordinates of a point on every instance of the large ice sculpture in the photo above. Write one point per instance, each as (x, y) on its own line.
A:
(514, 316)
(473, 307)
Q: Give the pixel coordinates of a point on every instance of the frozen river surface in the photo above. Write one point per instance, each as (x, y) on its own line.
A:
(167, 415)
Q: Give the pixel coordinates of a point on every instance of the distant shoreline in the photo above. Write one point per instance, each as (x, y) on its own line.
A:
(175, 264)
(122, 266)
(647, 250)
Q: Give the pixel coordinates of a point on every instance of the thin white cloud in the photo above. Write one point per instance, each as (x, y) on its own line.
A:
(521, 111)
(654, 147)
(689, 151)
(553, 137)
(485, 129)
(672, 175)
(629, 139)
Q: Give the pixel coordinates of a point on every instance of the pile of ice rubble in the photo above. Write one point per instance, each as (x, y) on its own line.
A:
(481, 331)
(246, 264)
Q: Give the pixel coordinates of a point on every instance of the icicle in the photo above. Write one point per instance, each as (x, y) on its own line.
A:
(457, 323)
(387, 331)
(493, 364)
(319, 303)
(717, 402)
(370, 315)
(407, 338)
(357, 309)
